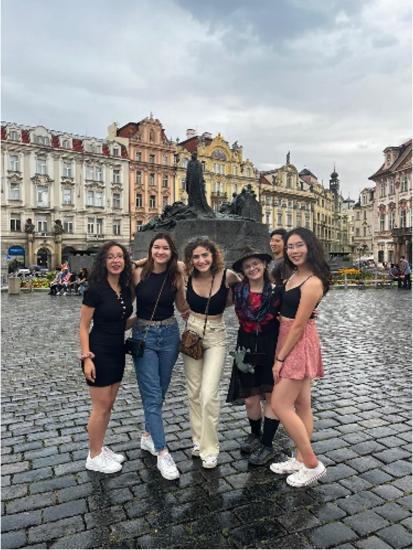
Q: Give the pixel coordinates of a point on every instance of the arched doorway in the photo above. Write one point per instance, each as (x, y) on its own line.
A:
(43, 257)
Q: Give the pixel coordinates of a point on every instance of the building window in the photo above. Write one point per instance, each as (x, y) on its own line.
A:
(165, 160)
(152, 201)
(90, 198)
(392, 219)
(116, 200)
(165, 181)
(95, 226)
(183, 186)
(403, 218)
(383, 190)
(391, 188)
(41, 222)
(138, 177)
(151, 179)
(15, 192)
(41, 140)
(164, 201)
(116, 175)
(138, 156)
(279, 219)
(139, 201)
(14, 163)
(66, 144)
(289, 220)
(289, 181)
(382, 222)
(15, 222)
(357, 231)
(41, 165)
(14, 135)
(91, 226)
(403, 184)
(67, 196)
(151, 136)
(152, 158)
(364, 231)
(99, 226)
(98, 198)
(89, 172)
(116, 152)
(68, 224)
(67, 169)
(116, 227)
(99, 173)
(42, 195)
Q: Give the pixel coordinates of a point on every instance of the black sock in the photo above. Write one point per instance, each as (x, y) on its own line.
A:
(270, 428)
(255, 426)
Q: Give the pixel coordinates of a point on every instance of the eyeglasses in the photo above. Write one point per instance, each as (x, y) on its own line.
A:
(296, 245)
(111, 257)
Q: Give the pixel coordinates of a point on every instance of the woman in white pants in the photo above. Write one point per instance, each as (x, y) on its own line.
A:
(207, 279)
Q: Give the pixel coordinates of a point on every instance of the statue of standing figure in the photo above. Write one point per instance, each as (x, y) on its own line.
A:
(195, 186)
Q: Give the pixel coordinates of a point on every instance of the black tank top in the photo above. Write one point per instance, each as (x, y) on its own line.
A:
(146, 294)
(216, 304)
(291, 300)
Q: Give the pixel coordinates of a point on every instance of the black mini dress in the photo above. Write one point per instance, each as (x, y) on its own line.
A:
(107, 337)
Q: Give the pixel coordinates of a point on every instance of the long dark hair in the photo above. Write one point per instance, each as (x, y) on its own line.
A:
(98, 273)
(172, 265)
(217, 256)
(315, 255)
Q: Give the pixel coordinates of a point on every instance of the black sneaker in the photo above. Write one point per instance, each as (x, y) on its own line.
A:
(261, 456)
(250, 443)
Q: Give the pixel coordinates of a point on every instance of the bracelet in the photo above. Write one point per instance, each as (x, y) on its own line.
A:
(88, 355)
(280, 360)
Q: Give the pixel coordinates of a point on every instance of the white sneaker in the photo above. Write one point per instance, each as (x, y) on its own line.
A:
(64, 294)
(102, 463)
(287, 467)
(195, 450)
(210, 462)
(114, 456)
(306, 476)
(166, 465)
(147, 444)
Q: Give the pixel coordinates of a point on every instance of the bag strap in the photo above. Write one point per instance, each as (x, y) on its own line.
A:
(155, 306)
(207, 306)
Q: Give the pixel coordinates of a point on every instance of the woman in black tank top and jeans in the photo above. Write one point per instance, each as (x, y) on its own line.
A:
(159, 285)
(207, 276)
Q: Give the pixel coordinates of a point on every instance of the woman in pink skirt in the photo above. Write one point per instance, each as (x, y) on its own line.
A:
(298, 356)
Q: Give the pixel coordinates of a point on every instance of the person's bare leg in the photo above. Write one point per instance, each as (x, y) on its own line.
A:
(304, 410)
(99, 417)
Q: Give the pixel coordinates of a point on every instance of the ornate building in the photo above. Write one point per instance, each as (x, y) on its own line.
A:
(393, 205)
(286, 199)
(225, 170)
(151, 169)
(362, 230)
(60, 194)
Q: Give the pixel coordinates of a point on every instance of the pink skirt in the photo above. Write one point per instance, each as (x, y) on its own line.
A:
(304, 360)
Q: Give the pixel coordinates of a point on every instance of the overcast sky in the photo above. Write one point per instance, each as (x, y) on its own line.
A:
(327, 79)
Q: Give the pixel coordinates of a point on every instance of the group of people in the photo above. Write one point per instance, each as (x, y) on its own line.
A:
(276, 356)
(67, 282)
(402, 273)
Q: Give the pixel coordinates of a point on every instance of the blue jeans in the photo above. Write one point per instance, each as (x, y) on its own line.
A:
(153, 373)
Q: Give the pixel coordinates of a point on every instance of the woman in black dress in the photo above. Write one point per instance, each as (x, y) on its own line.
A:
(108, 302)
(256, 305)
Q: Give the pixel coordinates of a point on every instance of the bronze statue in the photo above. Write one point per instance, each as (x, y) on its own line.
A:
(29, 226)
(195, 186)
(58, 228)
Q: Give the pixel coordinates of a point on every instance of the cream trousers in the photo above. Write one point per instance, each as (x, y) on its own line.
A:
(202, 382)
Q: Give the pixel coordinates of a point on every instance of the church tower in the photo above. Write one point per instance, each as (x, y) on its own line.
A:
(334, 182)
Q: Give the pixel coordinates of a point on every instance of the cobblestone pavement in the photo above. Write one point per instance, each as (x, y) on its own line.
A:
(362, 432)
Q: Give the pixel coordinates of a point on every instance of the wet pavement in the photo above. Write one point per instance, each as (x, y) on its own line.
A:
(362, 432)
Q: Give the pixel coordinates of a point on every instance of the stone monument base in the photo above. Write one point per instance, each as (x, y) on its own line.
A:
(232, 235)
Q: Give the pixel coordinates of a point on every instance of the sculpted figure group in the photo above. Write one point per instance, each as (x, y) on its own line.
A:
(277, 353)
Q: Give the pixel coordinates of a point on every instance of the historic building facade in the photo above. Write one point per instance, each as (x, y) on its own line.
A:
(225, 170)
(392, 220)
(151, 169)
(362, 226)
(60, 194)
(286, 199)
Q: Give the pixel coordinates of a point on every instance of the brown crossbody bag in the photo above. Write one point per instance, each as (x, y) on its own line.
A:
(191, 342)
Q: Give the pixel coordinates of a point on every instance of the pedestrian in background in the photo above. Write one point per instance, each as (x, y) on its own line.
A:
(278, 270)
(207, 296)
(257, 305)
(298, 355)
(108, 303)
(159, 285)
(405, 272)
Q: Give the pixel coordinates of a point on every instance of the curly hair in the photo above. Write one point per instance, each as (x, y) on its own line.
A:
(99, 273)
(172, 266)
(315, 255)
(205, 242)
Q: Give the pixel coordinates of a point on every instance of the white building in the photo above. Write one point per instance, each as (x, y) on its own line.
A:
(362, 230)
(60, 194)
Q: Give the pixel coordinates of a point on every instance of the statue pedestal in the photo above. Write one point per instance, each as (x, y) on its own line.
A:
(232, 235)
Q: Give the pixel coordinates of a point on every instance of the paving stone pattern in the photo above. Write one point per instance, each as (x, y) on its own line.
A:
(362, 432)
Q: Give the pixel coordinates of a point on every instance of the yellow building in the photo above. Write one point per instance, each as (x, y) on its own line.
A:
(225, 170)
